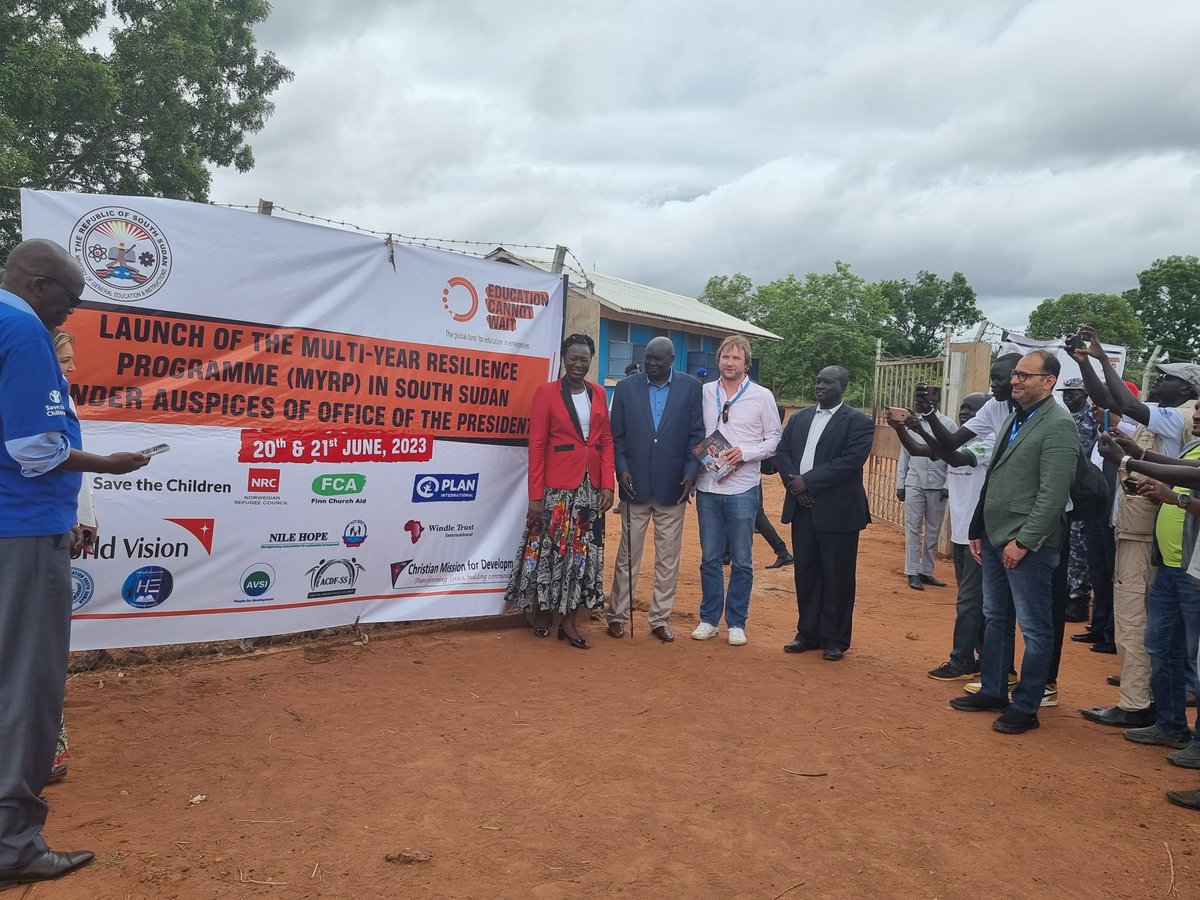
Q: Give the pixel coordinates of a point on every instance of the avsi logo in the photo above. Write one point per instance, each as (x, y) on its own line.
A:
(257, 580)
(333, 577)
(414, 529)
(445, 487)
(125, 255)
(147, 587)
(263, 481)
(398, 570)
(335, 485)
(82, 588)
(355, 533)
(457, 282)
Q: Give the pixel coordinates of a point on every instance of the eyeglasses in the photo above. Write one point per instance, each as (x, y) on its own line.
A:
(725, 411)
(1025, 376)
(75, 300)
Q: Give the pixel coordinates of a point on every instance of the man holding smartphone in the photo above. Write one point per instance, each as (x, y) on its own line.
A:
(921, 487)
(39, 482)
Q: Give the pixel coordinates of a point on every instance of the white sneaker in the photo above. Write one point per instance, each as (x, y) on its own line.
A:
(704, 631)
(737, 636)
(1050, 697)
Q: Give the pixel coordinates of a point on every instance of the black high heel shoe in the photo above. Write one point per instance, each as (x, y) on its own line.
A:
(540, 627)
(581, 643)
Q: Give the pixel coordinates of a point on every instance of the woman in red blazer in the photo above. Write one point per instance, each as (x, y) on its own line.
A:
(560, 565)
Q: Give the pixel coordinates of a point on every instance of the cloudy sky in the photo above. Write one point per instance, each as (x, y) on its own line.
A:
(1038, 147)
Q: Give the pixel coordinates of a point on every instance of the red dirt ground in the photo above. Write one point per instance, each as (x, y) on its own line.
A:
(488, 763)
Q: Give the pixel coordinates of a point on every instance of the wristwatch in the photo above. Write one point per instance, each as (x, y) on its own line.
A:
(1184, 499)
(1123, 468)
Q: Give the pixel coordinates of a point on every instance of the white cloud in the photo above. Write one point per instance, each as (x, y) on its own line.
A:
(1038, 147)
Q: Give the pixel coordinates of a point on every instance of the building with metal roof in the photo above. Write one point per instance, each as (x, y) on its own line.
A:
(623, 316)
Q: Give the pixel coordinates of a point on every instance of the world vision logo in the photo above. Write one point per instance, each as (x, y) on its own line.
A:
(125, 256)
(506, 306)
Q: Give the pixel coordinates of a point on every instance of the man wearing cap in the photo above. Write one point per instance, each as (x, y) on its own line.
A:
(1163, 422)
(1079, 582)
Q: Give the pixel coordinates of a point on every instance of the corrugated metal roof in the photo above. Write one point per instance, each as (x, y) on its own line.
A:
(635, 299)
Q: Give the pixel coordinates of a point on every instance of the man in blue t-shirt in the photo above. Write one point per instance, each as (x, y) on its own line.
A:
(40, 463)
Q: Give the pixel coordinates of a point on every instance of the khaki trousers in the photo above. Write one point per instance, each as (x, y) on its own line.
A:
(1131, 584)
(668, 537)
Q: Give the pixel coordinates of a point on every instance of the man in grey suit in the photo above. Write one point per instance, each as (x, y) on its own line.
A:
(656, 420)
(1017, 534)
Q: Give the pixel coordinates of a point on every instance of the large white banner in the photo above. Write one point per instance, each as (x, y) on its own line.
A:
(346, 420)
(1012, 342)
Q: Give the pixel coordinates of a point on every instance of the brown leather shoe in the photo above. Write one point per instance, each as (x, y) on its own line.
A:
(663, 633)
(616, 629)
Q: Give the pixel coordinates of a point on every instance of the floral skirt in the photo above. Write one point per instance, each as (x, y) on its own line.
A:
(560, 564)
(61, 751)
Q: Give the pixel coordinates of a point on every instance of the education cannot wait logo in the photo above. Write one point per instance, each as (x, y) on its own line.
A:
(125, 255)
(506, 306)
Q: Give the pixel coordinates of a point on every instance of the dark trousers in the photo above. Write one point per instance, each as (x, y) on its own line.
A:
(968, 609)
(1060, 597)
(1102, 560)
(35, 636)
(825, 582)
(763, 526)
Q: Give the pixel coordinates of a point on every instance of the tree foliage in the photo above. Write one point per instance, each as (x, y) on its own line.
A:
(921, 311)
(1110, 315)
(1167, 300)
(825, 319)
(182, 86)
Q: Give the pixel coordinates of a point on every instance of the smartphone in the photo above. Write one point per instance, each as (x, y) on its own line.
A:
(156, 449)
(1130, 486)
(898, 414)
(1107, 427)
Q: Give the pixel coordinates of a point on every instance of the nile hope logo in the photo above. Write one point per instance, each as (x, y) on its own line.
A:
(506, 306)
(125, 255)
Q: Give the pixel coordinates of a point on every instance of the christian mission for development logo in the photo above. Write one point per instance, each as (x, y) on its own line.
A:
(125, 256)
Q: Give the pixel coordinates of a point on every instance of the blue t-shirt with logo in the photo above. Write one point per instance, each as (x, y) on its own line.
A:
(34, 399)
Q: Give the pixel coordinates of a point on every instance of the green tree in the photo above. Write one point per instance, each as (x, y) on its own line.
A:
(825, 319)
(179, 91)
(921, 310)
(1167, 300)
(1112, 317)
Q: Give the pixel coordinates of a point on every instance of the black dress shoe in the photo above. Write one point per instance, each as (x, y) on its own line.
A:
(914, 582)
(579, 642)
(1013, 722)
(58, 773)
(1120, 718)
(1186, 799)
(1076, 611)
(1088, 637)
(50, 864)
(780, 561)
(663, 633)
(1114, 680)
(1104, 647)
(616, 629)
(833, 653)
(979, 703)
(930, 580)
(799, 646)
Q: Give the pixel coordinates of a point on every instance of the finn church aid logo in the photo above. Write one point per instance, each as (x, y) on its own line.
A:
(125, 256)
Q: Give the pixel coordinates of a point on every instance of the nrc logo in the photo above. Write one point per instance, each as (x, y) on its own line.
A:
(263, 481)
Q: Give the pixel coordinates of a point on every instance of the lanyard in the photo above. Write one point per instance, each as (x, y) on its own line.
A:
(1018, 425)
(736, 397)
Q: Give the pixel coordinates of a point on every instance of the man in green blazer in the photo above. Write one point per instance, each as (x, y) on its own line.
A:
(1019, 528)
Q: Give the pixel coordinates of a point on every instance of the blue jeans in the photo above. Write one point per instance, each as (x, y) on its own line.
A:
(1021, 595)
(725, 517)
(1172, 627)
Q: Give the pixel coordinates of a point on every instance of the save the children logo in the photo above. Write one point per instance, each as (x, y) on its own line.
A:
(506, 306)
(125, 255)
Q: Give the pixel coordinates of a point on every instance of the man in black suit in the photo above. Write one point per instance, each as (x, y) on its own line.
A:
(656, 420)
(821, 458)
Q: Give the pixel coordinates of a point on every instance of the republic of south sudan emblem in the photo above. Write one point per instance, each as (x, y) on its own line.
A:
(125, 256)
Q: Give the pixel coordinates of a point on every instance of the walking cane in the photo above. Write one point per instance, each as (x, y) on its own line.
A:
(628, 561)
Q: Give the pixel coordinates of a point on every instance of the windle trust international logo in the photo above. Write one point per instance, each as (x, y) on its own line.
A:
(125, 255)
